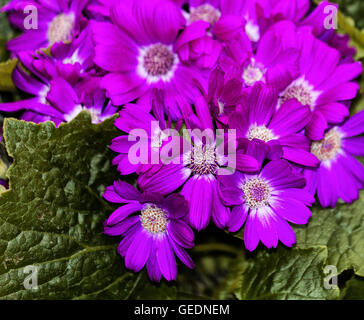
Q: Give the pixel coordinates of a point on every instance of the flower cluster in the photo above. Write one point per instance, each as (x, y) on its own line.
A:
(269, 83)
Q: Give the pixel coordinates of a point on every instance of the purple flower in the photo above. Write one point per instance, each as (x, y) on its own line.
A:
(208, 24)
(340, 174)
(264, 202)
(273, 62)
(260, 120)
(323, 82)
(74, 60)
(199, 166)
(143, 33)
(57, 21)
(154, 235)
(154, 137)
(56, 87)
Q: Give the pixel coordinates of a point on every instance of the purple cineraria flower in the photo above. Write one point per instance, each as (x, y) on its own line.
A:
(264, 202)
(339, 175)
(260, 120)
(143, 33)
(273, 62)
(208, 23)
(153, 229)
(56, 21)
(58, 86)
(152, 134)
(55, 100)
(323, 83)
(74, 59)
(62, 104)
(197, 170)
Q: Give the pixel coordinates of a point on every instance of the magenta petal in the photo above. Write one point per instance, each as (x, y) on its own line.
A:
(166, 260)
(182, 255)
(291, 210)
(231, 196)
(354, 146)
(112, 196)
(139, 251)
(123, 212)
(246, 163)
(121, 227)
(354, 125)
(220, 213)
(301, 157)
(327, 187)
(334, 112)
(181, 233)
(285, 232)
(169, 178)
(265, 224)
(153, 269)
(317, 126)
(251, 238)
(198, 191)
(126, 191)
(128, 239)
(237, 218)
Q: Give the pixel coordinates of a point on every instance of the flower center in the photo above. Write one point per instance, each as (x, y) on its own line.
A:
(256, 193)
(205, 12)
(302, 91)
(203, 160)
(327, 148)
(158, 60)
(60, 29)
(252, 30)
(154, 219)
(261, 133)
(252, 75)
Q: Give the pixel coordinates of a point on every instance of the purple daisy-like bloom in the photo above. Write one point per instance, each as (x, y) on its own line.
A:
(155, 235)
(260, 120)
(58, 84)
(340, 174)
(73, 60)
(57, 21)
(144, 32)
(62, 105)
(132, 117)
(208, 24)
(197, 172)
(323, 82)
(264, 202)
(273, 62)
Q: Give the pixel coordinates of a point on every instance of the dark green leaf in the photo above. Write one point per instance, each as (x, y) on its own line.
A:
(52, 216)
(341, 230)
(6, 70)
(283, 274)
(354, 289)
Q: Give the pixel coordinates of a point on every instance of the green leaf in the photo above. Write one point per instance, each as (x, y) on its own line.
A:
(6, 70)
(283, 274)
(52, 216)
(6, 33)
(341, 230)
(354, 289)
